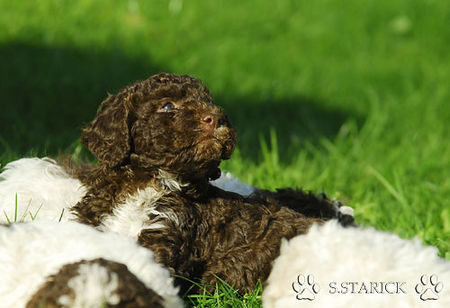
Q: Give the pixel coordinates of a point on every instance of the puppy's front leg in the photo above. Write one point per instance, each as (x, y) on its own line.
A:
(175, 251)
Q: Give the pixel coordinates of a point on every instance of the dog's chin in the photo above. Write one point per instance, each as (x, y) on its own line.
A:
(227, 149)
(220, 144)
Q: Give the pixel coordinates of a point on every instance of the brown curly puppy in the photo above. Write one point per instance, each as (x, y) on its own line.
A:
(158, 143)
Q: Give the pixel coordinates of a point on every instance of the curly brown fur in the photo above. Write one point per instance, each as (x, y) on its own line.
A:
(134, 128)
(130, 290)
(196, 230)
(223, 234)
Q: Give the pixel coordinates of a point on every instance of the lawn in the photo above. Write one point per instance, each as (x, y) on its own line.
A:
(348, 97)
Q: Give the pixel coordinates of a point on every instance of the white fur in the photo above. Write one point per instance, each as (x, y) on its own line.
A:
(97, 285)
(332, 253)
(29, 252)
(346, 210)
(170, 181)
(43, 191)
(131, 217)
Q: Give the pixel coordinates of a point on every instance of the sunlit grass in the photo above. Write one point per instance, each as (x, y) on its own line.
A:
(223, 295)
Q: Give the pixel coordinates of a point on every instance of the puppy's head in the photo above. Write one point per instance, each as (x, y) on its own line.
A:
(166, 122)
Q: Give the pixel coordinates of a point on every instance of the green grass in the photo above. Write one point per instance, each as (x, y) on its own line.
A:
(350, 97)
(224, 295)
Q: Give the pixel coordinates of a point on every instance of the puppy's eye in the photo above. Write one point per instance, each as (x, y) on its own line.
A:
(168, 107)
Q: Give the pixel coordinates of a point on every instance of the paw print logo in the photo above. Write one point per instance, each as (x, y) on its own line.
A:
(305, 288)
(429, 287)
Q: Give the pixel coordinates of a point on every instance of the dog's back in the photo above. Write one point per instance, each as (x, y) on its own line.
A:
(42, 188)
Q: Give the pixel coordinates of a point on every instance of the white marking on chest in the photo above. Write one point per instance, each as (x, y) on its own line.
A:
(138, 212)
(170, 181)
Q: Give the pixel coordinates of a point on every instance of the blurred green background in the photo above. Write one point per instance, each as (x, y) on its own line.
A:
(346, 96)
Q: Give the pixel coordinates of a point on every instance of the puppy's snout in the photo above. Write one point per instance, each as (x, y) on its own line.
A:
(214, 121)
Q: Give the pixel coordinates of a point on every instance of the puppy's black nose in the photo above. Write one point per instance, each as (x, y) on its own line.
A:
(214, 121)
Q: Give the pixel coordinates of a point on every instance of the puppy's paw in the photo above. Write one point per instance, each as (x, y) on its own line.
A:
(344, 214)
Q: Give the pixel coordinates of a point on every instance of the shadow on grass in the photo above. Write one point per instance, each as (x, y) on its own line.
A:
(48, 93)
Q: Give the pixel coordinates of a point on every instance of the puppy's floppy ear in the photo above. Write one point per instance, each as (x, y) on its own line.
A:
(108, 135)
